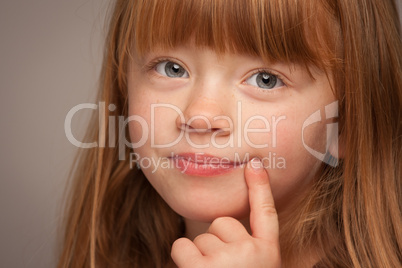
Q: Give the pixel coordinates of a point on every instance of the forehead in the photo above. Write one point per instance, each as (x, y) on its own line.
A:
(271, 29)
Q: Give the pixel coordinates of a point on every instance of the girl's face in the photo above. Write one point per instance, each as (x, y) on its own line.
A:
(198, 117)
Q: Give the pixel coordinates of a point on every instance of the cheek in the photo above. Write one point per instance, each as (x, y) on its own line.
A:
(145, 122)
(291, 166)
(138, 124)
(140, 128)
(291, 137)
(160, 113)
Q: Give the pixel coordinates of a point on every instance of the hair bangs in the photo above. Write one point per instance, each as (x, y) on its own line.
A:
(274, 30)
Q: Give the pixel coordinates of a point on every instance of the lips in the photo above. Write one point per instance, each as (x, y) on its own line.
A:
(204, 165)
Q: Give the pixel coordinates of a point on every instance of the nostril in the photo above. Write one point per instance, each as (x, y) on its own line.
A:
(202, 124)
(190, 129)
(185, 127)
(221, 131)
(218, 131)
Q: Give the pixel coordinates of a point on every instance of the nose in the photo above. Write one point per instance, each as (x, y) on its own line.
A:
(205, 115)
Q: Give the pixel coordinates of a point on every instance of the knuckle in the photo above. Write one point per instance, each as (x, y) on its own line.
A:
(200, 238)
(178, 244)
(248, 246)
(268, 209)
(222, 221)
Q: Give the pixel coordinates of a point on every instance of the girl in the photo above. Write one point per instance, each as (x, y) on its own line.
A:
(224, 101)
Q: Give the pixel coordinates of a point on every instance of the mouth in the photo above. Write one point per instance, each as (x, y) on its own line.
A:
(204, 165)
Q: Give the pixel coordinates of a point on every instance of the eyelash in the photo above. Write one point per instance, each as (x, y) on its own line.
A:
(151, 66)
(270, 72)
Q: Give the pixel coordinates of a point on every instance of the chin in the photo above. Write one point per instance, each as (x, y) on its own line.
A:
(209, 210)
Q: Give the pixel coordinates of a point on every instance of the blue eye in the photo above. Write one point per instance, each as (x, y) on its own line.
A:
(171, 69)
(265, 80)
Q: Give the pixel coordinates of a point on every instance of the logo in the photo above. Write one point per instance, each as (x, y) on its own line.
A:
(330, 156)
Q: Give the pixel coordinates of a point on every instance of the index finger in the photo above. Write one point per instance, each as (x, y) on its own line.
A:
(263, 216)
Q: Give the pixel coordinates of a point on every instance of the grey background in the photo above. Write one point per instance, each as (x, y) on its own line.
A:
(50, 56)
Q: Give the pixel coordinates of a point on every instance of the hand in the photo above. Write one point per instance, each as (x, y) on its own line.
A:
(227, 243)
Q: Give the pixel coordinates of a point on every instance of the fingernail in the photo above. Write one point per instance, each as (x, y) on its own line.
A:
(256, 164)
